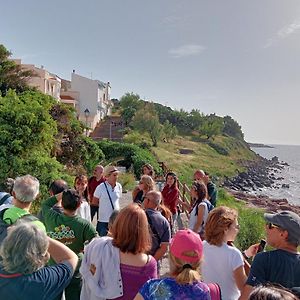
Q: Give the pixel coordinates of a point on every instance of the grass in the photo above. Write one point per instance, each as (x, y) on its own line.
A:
(250, 219)
(204, 157)
(219, 166)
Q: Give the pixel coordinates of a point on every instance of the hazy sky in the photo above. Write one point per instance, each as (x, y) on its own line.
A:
(233, 57)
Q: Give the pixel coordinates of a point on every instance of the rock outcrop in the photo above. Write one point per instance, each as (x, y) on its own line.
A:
(268, 204)
(259, 174)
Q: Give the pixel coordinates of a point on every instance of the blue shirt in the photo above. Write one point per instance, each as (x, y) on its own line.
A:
(169, 289)
(278, 266)
(44, 284)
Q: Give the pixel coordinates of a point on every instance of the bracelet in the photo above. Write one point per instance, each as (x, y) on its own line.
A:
(244, 255)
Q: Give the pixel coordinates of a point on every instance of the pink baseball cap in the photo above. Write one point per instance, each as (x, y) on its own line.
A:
(187, 246)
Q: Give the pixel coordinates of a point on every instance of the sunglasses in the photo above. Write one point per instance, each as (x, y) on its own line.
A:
(271, 226)
(237, 226)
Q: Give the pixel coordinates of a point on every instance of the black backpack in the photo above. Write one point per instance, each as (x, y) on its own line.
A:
(4, 225)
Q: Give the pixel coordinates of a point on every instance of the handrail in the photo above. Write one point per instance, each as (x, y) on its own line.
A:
(184, 193)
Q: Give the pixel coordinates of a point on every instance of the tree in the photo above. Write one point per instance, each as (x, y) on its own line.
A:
(169, 130)
(146, 121)
(211, 126)
(129, 103)
(232, 128)
(27, 137)
(72, 148)
(12, 76)
(195, 119)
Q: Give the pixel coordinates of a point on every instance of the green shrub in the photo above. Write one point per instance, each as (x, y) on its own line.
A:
(133, 155)
(250, 219)
(221, 150)
(127, 181)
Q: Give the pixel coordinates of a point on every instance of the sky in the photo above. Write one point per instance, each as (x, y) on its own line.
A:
(233, 57)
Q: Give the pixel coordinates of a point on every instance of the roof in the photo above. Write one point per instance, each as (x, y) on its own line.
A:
(66, 97)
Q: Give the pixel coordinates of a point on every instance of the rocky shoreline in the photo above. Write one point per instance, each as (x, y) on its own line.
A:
(260, 174)
(264, 202)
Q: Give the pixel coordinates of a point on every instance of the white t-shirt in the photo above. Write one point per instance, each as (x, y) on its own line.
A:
(105, 208)
(193, 217)
(218, 266)
(84, 210)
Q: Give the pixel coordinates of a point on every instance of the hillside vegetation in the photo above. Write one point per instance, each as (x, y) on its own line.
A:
(185, 141)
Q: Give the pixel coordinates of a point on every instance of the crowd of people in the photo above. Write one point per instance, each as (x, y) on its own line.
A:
(64, 253)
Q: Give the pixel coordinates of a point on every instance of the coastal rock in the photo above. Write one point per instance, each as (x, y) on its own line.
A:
(259, 174)
(264, 202)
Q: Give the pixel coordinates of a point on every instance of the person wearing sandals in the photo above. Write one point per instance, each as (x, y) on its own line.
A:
(184, 281)
(108, 194)
(117, 266)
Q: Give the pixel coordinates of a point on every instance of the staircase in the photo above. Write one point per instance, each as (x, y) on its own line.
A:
(110, 128)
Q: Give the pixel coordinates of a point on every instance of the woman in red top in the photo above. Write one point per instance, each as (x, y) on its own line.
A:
(170, 195)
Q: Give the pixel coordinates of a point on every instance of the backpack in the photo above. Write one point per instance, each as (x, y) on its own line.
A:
(4, 225)
(214, 291)
(4, 198)
(208, 205)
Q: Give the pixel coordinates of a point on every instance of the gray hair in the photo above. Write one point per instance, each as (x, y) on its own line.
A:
(26, 188)
(24, 250)
(155, 197)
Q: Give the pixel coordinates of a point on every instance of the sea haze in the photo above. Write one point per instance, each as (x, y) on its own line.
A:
(291, 173)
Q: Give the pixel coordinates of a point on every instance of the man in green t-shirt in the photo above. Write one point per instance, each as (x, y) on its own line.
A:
(25, 191)
(69, 229)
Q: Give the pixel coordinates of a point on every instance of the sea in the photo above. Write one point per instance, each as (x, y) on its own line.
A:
(291, 173)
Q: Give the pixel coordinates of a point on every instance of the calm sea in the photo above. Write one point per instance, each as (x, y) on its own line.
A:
(291, 174)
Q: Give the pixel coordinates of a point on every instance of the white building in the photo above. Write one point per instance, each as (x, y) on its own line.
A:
(90, 97)
(43, 80)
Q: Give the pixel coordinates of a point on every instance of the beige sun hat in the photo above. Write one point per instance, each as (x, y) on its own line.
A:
(108, 170)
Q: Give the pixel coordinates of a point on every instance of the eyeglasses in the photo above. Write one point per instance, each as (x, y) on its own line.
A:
(271, 226)
(237, 226)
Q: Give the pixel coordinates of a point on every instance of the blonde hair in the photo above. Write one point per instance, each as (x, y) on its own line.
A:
(219, 219)
(149, 182)
(184, 272)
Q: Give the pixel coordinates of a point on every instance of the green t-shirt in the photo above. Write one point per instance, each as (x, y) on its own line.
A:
(71, 231)
(11, 216)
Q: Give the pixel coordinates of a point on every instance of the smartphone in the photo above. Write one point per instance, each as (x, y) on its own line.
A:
(261, 246)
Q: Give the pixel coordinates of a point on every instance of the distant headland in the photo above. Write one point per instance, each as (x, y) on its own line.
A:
(256, 145)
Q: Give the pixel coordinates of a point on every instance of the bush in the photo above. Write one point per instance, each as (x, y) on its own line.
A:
(127, 181)
(221, 150)
(133, 156)
(250, 219)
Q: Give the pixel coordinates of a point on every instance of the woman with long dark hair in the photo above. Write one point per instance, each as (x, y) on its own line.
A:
(199, 209)
(170, 195)
(81, 186)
